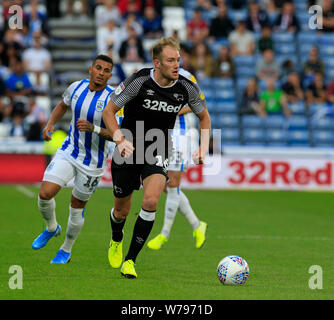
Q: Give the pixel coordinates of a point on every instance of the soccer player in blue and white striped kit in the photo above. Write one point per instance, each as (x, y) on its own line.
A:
(82, 155)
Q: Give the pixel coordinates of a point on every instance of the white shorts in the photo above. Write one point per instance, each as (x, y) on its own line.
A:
(61, 171)
(183, 148)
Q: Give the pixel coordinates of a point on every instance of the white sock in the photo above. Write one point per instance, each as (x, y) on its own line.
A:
(172, 203)
(48, 211)
(74, 226)
(188, 212)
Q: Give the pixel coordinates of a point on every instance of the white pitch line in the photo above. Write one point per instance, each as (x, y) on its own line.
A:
(26, 191)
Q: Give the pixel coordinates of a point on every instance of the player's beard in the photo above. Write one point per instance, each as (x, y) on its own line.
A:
(166, 75)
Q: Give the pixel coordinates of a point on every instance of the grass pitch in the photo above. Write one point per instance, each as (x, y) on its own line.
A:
(280, 234)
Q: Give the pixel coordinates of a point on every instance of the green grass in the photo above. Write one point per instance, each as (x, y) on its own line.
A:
(280, 234)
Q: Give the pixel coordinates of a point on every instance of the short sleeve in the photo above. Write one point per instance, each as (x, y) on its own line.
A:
(67, 95)
(128, 89)
(196, 99)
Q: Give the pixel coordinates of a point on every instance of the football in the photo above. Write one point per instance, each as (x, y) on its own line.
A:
(233, 270)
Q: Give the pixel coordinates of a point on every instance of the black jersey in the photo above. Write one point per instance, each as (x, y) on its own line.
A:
(156, 107)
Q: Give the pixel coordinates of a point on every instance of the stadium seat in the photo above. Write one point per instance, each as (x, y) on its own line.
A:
(298, 138)
(314, 108)
(228, 120)
(224, 95)
(297, 122)
(297, 108)
(237, 15)
(275, 136)
(252, 135)
(245, 71)
(285, 48)
(230, 135)
(283, 37)
(252, 121)
(226, 107)
(324, 123)
(323, 137)
(222, 83)
(248, 61)
(275, 122)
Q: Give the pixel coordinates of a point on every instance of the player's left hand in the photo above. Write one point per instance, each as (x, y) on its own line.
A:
(199, 156)
(84, 125)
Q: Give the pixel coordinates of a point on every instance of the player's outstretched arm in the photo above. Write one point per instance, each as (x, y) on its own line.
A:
(204, 128)
(57, 114)
(84, 125)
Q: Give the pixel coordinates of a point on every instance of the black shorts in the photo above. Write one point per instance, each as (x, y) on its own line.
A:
(129, 178)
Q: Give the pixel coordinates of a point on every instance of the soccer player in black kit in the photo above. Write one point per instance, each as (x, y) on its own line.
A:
(151, 99)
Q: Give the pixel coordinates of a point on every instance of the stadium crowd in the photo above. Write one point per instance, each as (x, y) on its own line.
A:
(251, 58)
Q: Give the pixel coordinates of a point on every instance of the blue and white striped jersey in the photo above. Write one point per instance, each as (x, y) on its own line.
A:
(86, 150)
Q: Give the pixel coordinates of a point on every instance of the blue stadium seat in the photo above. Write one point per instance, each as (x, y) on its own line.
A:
(226, 106)
(310, 37)
(275, 121)
(283, 37)
(230, 135)
(297, 108)
(315, 107)
(228, 120)
(245, 71)
(328, 61)
(211, 104)
(222, 83)
(324, 123)
(237, 15)
(225, 95)
(241, 84)
(252, 121)
(326, 39)
(251, 135)
(285, 48)
(323, 137)
(297, 122)
(284, 57)
(326, 49)
(275, 136)
(248, 61)
(298, 138)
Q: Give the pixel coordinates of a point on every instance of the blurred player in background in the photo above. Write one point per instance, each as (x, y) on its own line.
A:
(185, 140)
(152, 98)
(82, 155)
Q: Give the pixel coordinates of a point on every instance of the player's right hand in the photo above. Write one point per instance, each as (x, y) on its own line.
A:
(47, 132)
(125, 148)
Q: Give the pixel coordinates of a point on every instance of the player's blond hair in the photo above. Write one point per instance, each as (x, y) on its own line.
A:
(164, 42)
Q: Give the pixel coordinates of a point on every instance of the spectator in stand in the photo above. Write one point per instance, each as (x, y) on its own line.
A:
(273, 100)
(202, 61)
(37, 60)
(223, 66)
(17, 129)
(292, 88)
(12, 47)
(311, 66)
(125, 6)
(316, 91)
(131, 21)
(221, 26)
(70, 10)
(108, 38)
(132, 50)
(330, 93)
(37, 21)
(327, 16)
(185, 53)
(18, 83)
(257, 18)
(152, 24)
(265, 41)
(35, 120)
(267, 66)
(250, 101)
(241, 40)
(287, 20)
(270, 8)
(197, 28)
(106, 12)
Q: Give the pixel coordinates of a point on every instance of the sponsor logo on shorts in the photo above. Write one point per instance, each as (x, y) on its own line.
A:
(118, 189)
